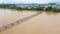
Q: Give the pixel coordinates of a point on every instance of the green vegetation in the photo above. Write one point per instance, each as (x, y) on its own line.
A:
(31, 8)
(39, 8)
(19, 8)
(56, 10)
(49, 8)
(9, 6)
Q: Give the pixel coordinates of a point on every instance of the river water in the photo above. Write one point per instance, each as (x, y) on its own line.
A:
(8, 16)
(44, 23)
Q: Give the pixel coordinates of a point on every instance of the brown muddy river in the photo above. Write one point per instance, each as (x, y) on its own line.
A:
(44, 23)
(8, 16)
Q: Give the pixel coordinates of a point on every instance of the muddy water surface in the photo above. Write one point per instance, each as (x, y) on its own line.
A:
(8, 16)
(44, 23)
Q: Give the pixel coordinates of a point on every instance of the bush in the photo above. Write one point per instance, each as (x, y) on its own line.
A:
(49, 8)
(40, 8)
(56, 10)
(19, 8)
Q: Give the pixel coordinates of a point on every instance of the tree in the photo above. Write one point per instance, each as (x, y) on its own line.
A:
(40, 8)
(49, 8)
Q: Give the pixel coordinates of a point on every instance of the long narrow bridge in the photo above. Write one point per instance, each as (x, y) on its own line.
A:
(17, 22)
